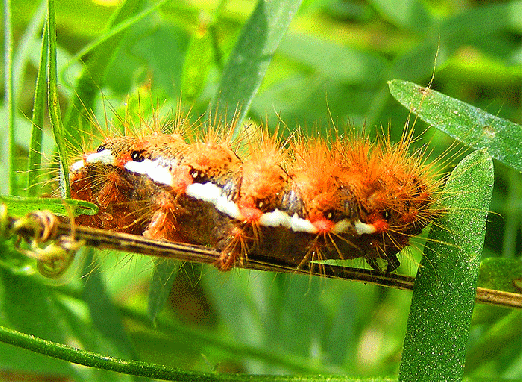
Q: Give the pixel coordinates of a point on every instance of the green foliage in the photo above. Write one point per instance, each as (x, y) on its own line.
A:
(248, 62)
(332, 65)
(54, 105)
(471, 126)
(19, 206)
(444, 293)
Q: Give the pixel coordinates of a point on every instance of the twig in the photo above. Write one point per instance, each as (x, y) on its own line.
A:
(43, 226)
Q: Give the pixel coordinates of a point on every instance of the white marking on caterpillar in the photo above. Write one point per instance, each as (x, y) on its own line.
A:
(209, 192)
(154, 169)
(301, 225)
(275, 218)
(279, 218)
(76, 166)
(105, 156)
(363, 228)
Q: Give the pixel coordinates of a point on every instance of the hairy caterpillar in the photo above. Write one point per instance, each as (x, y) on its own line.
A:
(290, 203)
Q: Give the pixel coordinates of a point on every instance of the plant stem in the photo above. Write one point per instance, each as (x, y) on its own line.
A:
(9, 99)
(103, 239)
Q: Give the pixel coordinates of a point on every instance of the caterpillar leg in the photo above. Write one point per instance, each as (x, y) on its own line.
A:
(163, 224)
(235, 251)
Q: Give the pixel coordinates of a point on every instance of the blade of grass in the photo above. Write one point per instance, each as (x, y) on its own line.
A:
(101, 53)
(35, 150)
(23, 51)
(493, 342)
(19, 206)
(470, 125)
(248, 63)
(196, 66)
(112, 32)
(8, 156)
(160, 286)
(104, 314)
(444, 291)
(54, 106)
(501, 274)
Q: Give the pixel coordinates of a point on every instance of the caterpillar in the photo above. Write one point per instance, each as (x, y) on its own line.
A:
(291, 202)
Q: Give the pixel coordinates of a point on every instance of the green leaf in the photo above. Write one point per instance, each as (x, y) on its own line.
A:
(26, 45)
(444, 291)
(8, 156)
(160, 286)
(248, 63)
(410, 14)
(35, 150)
(54, 105)
(104, 314)
(495, 343)
(19, 206)
(501, 274)
(22, 58)
(337, 63)
(198, 60)
(470, 125)
(100, 54)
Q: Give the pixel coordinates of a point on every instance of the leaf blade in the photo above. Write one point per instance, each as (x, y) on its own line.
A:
(470, 125)
(248, 63)
(444, 292)
(19, 206)
(35, 150)
(160, 286)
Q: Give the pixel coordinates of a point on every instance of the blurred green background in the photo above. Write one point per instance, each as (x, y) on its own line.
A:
(333, 64)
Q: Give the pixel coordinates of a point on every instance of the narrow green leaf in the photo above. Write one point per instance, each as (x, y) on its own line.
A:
(26, 44)
(492, 343)
(54, 106)
(470, 125)
(160, 286)
(444, 292)
(9, 156)
(248, 63)
(35, 150)
(198, 61)
(411, 14)
(501, 274)
(104, 314)
(336, 62)
(101, 53)
(19, 206)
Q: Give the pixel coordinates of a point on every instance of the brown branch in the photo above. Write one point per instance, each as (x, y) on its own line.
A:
(43, 226)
